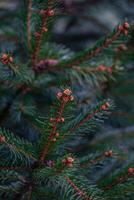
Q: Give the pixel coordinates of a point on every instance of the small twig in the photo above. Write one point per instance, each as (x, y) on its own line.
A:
(90, 116)
(54, 129)
(118, 181)
(122, 29)
(78, 190)
(29, 22)
(27, 155)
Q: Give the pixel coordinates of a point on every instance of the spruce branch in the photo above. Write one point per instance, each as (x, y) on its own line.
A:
(29, 15)
(77, 189)
(102, 107)
(100, 68)
(19, 150)
(65, 98)
(121, 179)
(98, 48)
(39, 35)
(100, 158)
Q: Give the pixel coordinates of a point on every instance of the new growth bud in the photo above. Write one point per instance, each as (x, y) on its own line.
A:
(6, 59)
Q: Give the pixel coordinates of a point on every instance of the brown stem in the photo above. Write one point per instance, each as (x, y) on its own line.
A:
(52, 134)
(120, 180)
(29, 22)
(20, 150)
(39, 40)
(97, 50)
(90, 116)
(79, 191)
(92, 162)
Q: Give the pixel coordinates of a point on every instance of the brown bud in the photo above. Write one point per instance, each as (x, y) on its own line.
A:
(54, 139)
(50, 12)
(71, 98)
(120, 28)
(68, 92)
(126, 25)
(52, 119)
(131, 171)
(59, 95)
(6, 59)
(57, 134)
(2, 139)
(108, 153)
(44, 29)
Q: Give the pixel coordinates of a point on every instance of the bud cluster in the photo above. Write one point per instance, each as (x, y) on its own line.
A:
(68, 161)
(124, 28)
(65, 96)
(49, 12)
(121, 47)
(108, 153)
(131, 171)
(59, 119)
(105, 106)
(103, 68)
(6, 59)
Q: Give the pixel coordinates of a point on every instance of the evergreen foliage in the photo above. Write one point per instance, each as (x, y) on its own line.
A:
(41, 122)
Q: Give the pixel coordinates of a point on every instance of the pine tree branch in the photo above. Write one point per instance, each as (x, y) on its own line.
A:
(64, 98)
(100, 158)
(118, 181)
(53, 131)
(90, 116)
(45, 14)
(98, 48)
(77, 189)
(16, 149)
(100, 69)
(39, 40)
(29, 15)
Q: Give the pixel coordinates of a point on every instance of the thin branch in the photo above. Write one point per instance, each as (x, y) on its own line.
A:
(90, 116)
(118, 181)
(77, 189)
(29, 15)
(27, 155)
(91, 53)
(52, 134)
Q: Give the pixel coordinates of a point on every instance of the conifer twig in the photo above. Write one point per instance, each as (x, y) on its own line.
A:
(77, 189)
(53, 131)
(107, 154)
(121, 179)
(90, 116)
(43, 29)
(121, 29)
(29, 15)
(11, 146)
(64, 98)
